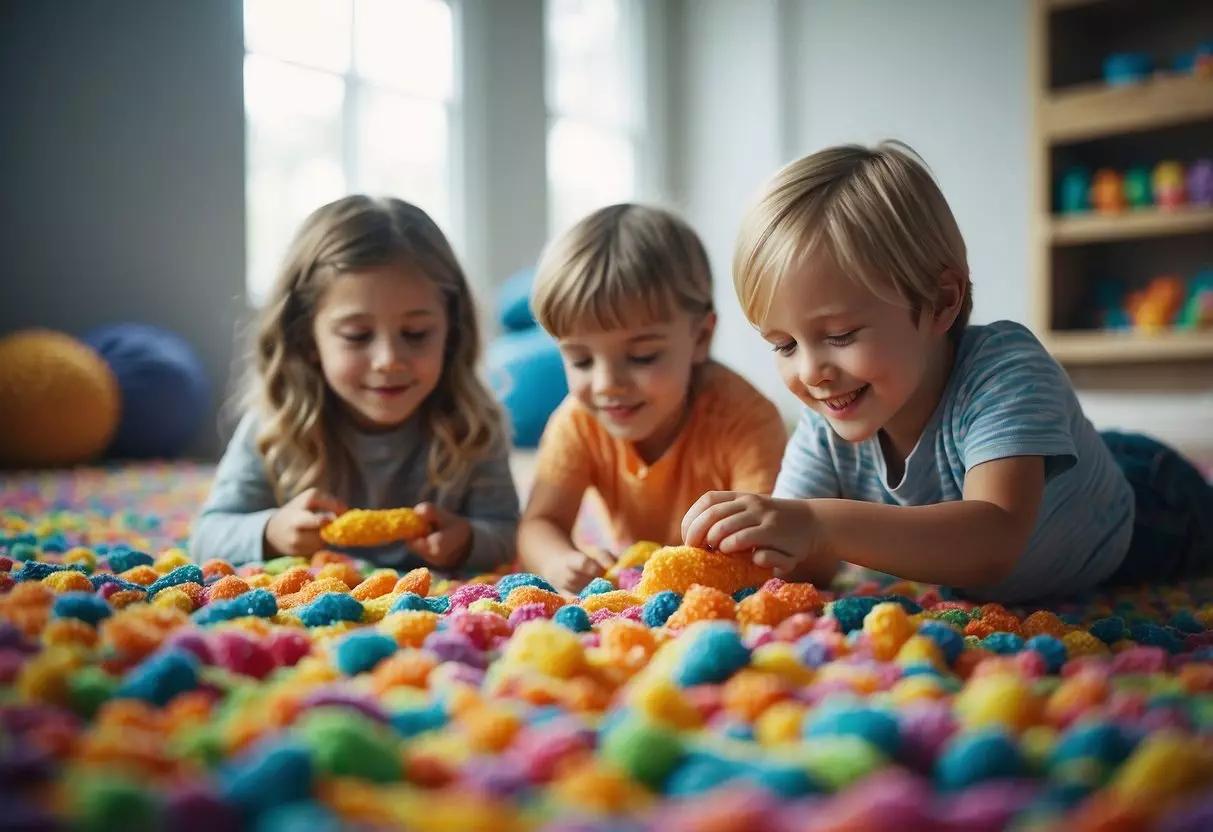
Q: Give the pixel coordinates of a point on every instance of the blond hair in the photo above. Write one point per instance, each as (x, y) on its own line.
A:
(620, 265)
(876, 213)
(297, 437)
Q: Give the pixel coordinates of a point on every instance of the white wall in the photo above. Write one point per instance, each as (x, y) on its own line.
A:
(770, 80)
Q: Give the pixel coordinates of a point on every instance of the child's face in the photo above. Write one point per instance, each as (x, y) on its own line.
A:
(635, 379)
(863, 363)
(380, 336)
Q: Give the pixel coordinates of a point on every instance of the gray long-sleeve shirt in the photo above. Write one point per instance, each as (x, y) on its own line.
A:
(389, 471)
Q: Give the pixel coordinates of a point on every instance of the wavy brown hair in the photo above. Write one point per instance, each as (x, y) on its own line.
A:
(297, 436)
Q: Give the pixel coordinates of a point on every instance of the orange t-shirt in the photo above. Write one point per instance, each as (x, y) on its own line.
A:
(733, 440)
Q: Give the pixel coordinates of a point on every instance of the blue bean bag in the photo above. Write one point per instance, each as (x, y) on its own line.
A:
(528, 376)
(163, 386)
(514, 301)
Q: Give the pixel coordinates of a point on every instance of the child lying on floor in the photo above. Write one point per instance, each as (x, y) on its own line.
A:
(960, 452)
(366, 395)
(651, 422)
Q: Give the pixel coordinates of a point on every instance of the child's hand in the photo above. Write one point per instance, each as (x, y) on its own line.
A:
(570, 571)
(294, 529)
(448, 540)
(779, 532)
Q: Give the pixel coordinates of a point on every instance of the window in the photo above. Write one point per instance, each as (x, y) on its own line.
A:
(344, 96)
(595, 104)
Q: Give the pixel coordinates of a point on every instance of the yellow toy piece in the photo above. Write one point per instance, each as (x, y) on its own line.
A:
(375, 527)
(677, 568)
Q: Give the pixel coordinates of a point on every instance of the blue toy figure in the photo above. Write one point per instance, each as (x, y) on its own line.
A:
(1073, 194)
(1110, 312)
(1125, 68)
(1197, 312)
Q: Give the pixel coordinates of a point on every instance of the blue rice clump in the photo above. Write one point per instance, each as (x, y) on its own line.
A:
(275, 773)
(850, 612)
(413, 721)
(574, 618)
(744, 593)
(699, 774)
(508, 583)
(880, 729)
(256, 602)
(1102, 741)
(1004, 644)
(55, 542)
(781, 779)
(1186, 622)
(596, 587)
(360, 651)
(1109, 630)
(977, 756)
(1054, 651)
(102, 578)
(128, 559)
(658, 608)
(714, 653)
(1155, 636)
(188, 574)
(305, 816)
(160, 677)
(25, 549)
(409, 601)
(82, 605)
(330, 608)
(35, 570)
(950, 642)
(438, 603)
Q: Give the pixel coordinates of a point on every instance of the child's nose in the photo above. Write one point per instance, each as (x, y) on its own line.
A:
(607, 378)
(389, 355)
(814, 369)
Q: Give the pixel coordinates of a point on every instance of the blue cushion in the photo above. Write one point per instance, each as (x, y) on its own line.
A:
(164, 388)
(528, 376)
(514, 301)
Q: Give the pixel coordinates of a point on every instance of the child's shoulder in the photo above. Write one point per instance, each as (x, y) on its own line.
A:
(1002, 347)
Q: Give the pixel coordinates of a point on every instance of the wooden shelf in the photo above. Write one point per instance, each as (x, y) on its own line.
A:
(1081, 229)
(1062, 5)
(1128, 347)
(1097, 110)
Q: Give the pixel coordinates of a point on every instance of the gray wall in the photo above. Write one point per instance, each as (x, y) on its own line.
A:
(122, 171)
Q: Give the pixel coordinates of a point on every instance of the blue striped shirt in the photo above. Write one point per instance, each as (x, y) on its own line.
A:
(1006, 397)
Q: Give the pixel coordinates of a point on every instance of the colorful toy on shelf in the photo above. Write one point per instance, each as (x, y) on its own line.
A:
(1074, 192)
(1107, 192)
(1125, 68)
(1139, 190)
(1200, 183)
(1197, 312)
(1155, 307)
(1169, 186)
(1197, 62)
(1110, 312)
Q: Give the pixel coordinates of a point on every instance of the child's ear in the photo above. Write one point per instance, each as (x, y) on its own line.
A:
(953, 286)
(703, 337)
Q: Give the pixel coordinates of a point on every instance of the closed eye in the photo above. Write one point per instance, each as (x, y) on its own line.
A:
(842, 339)
(581, 363)
(356, 337)
(644, 359)
(784, 347)
(416, 337)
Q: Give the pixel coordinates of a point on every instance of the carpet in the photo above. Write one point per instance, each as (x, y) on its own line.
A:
(140, 690)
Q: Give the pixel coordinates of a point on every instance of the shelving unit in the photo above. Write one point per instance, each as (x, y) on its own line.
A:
(1080, 120)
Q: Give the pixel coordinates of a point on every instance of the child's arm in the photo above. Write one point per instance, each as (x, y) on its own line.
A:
(971, 543)
(545, 535)
(491, 510)
(232, 523)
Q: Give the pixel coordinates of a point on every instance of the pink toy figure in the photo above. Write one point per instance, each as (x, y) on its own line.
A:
(1169, 191)
(1200, 183)
(1107, 192)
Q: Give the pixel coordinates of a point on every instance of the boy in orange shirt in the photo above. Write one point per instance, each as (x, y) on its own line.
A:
(651, 422)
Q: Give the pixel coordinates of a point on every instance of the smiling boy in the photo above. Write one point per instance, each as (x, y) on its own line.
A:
(651, 422)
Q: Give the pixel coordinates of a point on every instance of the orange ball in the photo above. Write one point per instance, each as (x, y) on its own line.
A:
(62, 401)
